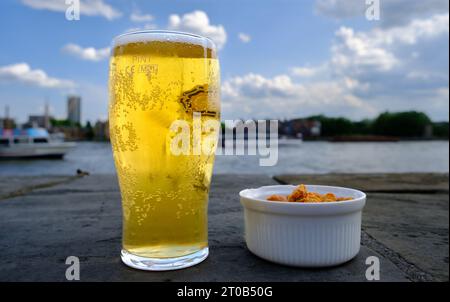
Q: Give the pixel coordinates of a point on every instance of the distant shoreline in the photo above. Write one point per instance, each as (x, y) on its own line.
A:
(335, 139)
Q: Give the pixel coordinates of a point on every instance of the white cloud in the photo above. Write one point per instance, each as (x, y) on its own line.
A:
(387, 64)
(21, 72)
(306, 72)
(375, 49)
(392, 12)
(87, 7)
(139, 17)
(393, 68)
(198, 22)
(360, 51)
(282, 97)
(417, 29)
(88, 53)
(245, 38)
(256, 85)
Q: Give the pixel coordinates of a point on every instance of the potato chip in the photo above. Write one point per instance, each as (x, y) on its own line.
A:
(301, 194)
(276, 197)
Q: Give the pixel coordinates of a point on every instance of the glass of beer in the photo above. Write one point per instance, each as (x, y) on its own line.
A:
(164, 110)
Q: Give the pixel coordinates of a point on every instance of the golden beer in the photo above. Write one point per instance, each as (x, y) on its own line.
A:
(156, 79)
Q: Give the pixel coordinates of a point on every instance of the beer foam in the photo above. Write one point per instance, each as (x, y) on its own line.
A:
(144, 36)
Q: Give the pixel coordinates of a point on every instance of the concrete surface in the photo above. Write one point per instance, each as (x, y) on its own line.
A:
(46, 219)
(405, 219)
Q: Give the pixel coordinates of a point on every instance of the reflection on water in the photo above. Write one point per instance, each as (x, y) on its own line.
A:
(306, 157)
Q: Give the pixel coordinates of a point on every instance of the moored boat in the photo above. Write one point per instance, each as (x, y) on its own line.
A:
(31, 143)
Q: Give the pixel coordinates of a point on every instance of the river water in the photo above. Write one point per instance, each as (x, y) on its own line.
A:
(299, 158)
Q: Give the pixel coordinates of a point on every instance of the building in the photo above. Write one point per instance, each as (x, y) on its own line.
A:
(40, 121)
(101, 130)
(300, 127)
(74, 109)
(6, 122)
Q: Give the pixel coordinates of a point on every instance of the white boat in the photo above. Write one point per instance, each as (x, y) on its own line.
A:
(31, 143)
(290, 141)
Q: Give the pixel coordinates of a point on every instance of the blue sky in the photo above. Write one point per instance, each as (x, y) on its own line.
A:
(279, 59)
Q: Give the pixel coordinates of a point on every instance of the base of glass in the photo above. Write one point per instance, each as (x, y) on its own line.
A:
(163, 264)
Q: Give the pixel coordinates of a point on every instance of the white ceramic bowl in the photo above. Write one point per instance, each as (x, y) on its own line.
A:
(303, 234)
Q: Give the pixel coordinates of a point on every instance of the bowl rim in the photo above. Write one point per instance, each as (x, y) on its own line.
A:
(302, 208)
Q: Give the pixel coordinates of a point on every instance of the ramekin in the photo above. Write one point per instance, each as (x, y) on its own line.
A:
(303, 234)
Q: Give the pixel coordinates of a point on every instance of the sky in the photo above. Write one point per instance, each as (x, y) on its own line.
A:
(279, 58)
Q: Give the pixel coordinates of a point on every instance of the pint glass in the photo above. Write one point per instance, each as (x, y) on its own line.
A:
(164, 103)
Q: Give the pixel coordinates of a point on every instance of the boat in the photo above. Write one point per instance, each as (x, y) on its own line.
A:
(31, 143)
(290, 141)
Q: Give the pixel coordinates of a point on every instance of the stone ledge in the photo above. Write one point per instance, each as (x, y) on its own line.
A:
(82, 217)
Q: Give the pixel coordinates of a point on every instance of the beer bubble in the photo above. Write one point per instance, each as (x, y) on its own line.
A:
(164, 196)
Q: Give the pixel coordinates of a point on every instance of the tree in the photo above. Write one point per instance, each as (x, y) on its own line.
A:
(440, 130)
(60, 123)
(363, 127)
(89, 132)
(331, 126)
(403, 124)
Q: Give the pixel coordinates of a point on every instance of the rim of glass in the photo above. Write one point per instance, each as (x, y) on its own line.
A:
(116, 39)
